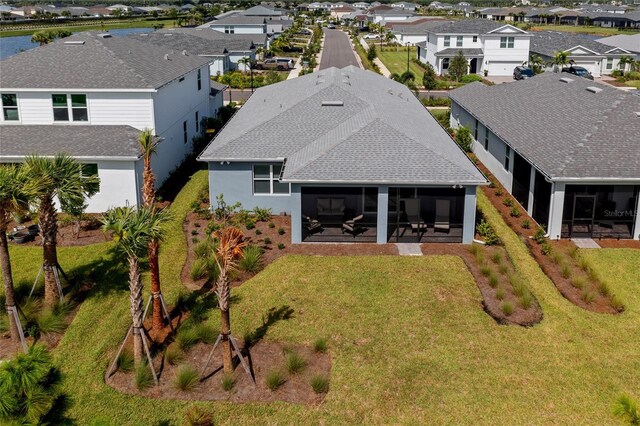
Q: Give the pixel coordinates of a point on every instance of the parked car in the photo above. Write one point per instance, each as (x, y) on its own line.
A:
(579, 71)
(279, 64)
(520, 73)
(331, 26)
(371, 36)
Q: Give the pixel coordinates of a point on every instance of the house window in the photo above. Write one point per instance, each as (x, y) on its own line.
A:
(76, 110)
(486, 138)
(60, 108)
(459, 41)
(10, 107)
(475, 39)
(507, 159)
(447, 41)
(90, 169)
(445, 64)
(475, 130)
(185, 132)
(197, 121)
(507, 42)
(229, 29)
(199, 79)
(609, 63)
(79, 108)
(266, 180)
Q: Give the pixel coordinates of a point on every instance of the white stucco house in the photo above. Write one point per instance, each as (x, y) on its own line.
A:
(91, 94)
(240, 24)
(565, 147)
(489, 46)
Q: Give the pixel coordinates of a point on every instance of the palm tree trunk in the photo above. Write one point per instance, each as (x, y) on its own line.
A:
(7, 279)
(223, 292)
(154, 269)
(135, 296)
(49, 230)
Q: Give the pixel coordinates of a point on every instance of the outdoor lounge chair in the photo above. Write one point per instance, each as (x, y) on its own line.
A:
(442, 215)
(412, 210)
(313, 225)
(352, 227)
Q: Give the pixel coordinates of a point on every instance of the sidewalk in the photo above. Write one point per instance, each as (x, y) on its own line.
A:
(383, 69)
(297, 67)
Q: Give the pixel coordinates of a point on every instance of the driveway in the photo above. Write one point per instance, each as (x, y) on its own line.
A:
(337, 51)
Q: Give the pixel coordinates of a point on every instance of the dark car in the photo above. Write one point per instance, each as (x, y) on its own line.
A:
(520, 73)
(579, 71)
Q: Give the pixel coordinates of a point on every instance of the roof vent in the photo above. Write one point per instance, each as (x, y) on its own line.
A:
(566, 80)
(104, 35)
(346, 81)
(167, 34)
(184, 53)
(638, 114)
(166, 56)
(74, 42)
(594, 89)
(319, 81)
(332, 103)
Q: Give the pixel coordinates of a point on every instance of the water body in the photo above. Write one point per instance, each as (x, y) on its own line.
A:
(11, 45)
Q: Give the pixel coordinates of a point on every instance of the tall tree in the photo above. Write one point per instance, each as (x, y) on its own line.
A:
(560, 59)
(458, 66)
(133, 229)
(62, 178)
(16, 191)
(429, 80)
(227, 252)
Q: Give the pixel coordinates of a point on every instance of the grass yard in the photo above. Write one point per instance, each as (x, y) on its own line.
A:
(581, 29)
(409, 341)
(396, 62)
(137, 23)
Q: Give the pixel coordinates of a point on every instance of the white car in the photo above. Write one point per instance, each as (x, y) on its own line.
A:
(371, 36)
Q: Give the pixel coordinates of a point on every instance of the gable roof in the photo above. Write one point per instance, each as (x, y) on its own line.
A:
(380, 133)
(261, 10)
(467, 26)
(91, 142)
(564, 129)
(191, 40)
(239, 19)
(628, 42)
(105, 63)
(547, 42)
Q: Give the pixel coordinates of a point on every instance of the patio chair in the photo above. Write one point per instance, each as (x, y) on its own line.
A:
(313, 225)
(442, 215)
(353, 227)
(412, 210)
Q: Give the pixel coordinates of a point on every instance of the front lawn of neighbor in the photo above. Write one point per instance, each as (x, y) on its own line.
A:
(396, 61)
(582, 29)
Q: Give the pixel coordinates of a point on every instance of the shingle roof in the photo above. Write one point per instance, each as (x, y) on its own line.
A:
(239, 20)
(630, 42)
(97, 63)
(548, 42)
(116, 142)
(453, 51)
(207, 33)
(467, 26)
(564, 129)
(192, 42)
(380, 133)
(419, 28)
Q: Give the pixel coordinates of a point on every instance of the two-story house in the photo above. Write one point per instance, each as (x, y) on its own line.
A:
(240, 24)
(90, 95)
(490, 47)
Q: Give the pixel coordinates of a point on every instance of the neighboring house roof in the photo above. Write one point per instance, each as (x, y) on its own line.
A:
(419, 28)
(191, 40)
(453, 51)
(86, 60)
(91, 142)
(261, 10)
(467, 26)
(209, 34)
(239, 20)
(629, 42)
(217, 87)
(547, 42)
(380, 133)
(564, 129)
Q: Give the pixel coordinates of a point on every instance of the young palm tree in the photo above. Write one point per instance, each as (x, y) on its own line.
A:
(560, 59)
(624, 61)
(132, 230)
(148, 146)
(227, 253)
(61, 178)
(627, 409)
(15, 193)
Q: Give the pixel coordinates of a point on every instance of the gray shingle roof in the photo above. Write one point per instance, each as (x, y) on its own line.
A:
(117, 142)
(98, 63)
(216, 36)
(193, 43)
(562, 128)
(630, 42)
(380, 134)
(548, 42)
(467, 26)
(239, 20)
(419, 28)
(453, 51)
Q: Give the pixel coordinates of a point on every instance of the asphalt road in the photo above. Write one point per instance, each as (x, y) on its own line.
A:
(337, 51)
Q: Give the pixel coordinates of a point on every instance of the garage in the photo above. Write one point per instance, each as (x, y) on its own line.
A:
(590, 65)
(502, 68)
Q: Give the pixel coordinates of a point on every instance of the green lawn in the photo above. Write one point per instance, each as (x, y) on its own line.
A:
(396, 62)
(580, 29)
(95, 26)
(409, 341)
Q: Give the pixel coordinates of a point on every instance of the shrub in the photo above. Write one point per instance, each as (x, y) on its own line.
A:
(578, 282)
(492, 184)
(588, 296)
(507, 308)
(503, 269)
(496, 258)
(486, 231)
(272, 225)
(539, 236)
(515, 212)
(251, 259)
(281, 246)
(186, 337)
(573, 251)
(616, 303)
(275, 379)
(49, 321)
(267, 241)
(258, 232)
(463, 138)
(125, 362)
(526, 224)
(186, 378)
(143, 378)
(319, 384)
(565, 271)
(475, 249)
(603, 288)
(205, 333)
(204, 248)
(228, 382)
(526, 300)
(493, 280)
(485, 271)
(196, 416)
(262, 215)
(508, 202)
(499, 192)
(198, 269)
(320, 345)
(500, 293)
(295, 363)
(250, 225)
(280, 231)
(470, 78)
(546, 249)
(173, 355)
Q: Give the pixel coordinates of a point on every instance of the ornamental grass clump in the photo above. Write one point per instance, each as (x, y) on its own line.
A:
(319, 384)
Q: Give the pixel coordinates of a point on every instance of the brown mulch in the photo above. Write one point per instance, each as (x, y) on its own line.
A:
(263, 358)
(90, 233)
(491, 304)
(610, 243)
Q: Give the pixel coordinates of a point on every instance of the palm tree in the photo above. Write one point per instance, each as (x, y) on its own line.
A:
(245, 62)
(560, 59)
(535, 63)
(627, 409)
(133, 229)
(624, 61)
(16, 191)
(148, 145)
(62, 178)
(227, 252)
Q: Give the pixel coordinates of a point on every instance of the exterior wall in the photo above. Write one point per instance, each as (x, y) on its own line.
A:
(104, 108)
(501, 62)
(241, 29)
(234, 57)
(636, 226)
(173, 104)
(235, 181)
(117, 186)
(469, 223)
(219, 65)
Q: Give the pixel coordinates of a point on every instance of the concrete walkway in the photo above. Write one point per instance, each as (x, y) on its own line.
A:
(409, 249)
(585, 243)
(297, 67)
(383, 70)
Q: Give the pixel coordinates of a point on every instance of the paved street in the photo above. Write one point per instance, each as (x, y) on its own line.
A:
(337, 50)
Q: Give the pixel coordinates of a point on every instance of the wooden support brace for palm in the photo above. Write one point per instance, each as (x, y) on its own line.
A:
(236, 350)
(13, 311)
(56, 270)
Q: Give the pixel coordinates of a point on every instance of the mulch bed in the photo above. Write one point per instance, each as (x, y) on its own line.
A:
(90, 233)
(490, 302)
(609, 243)
(601, 303)
(263, 358)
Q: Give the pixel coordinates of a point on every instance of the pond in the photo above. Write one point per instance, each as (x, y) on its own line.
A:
(12, 45)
